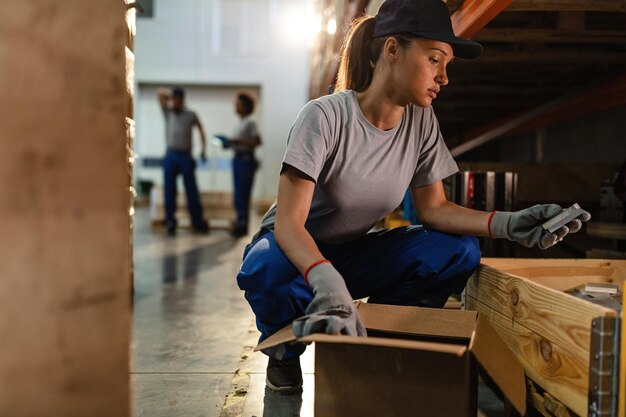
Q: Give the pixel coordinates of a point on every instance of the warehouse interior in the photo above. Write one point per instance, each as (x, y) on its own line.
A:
(107, 310)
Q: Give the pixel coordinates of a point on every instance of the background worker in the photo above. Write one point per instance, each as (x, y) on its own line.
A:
(244, 140)
(350, 158)
(179, 123)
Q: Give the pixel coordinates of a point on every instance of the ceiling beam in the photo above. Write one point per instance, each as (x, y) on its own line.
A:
(546, 57)
(473, 15)
(571, 21)
(594, 98)
(551, 36)
(567, 6)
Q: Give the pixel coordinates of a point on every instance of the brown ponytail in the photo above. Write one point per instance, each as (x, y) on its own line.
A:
(359, 54)
(355, 71)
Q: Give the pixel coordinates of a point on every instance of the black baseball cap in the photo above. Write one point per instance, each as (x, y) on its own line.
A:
(425, 19)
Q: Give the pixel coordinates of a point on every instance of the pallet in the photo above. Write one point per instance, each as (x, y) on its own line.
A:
(551, 332)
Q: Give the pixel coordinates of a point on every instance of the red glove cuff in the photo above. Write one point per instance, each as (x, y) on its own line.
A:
(313, 265)
(489, 224)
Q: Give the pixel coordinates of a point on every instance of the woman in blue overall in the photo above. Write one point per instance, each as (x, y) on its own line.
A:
(349, 159)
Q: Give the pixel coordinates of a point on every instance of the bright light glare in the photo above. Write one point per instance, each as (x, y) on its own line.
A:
(302, 25)
(331, 27)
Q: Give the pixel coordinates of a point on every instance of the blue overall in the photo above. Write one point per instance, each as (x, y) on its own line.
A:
(244, 166)
(402, 266)
(175, 163)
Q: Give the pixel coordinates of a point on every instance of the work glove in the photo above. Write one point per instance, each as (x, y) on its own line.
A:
(524, 226)
(332, 309)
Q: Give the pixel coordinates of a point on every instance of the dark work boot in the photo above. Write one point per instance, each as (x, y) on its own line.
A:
(170, 228)
(239, 230)
(284, 377)
(202, 228)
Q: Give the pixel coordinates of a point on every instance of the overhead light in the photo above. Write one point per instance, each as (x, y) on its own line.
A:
(302, 23)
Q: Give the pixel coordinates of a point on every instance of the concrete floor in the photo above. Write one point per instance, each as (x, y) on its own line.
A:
(194, 333)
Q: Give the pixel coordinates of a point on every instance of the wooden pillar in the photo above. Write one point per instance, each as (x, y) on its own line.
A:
(64, 209)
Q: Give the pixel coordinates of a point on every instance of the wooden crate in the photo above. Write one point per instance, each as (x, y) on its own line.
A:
(549, 330)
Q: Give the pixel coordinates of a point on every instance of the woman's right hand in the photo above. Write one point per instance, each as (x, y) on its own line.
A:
(332, 309)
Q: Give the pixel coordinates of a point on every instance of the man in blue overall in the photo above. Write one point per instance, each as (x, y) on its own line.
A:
(179, 123)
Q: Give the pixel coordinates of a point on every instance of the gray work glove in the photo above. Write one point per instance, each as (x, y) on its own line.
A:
(524, 226)
(332, 309)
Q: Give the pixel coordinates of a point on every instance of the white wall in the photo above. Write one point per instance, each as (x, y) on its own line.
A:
(226, 43)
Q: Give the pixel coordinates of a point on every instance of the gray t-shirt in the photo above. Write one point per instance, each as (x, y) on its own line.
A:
(361, 173)
(178, 128)
(245, 129)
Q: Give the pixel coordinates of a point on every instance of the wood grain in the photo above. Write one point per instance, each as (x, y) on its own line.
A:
(549, 330)
(64, 203)
(622, 365)
(567, 5)
(553, 368)
(563, 319)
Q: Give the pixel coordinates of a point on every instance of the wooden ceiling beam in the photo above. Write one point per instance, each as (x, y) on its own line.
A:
(567, 6)
(613, 37)
(591, 99)
(572, 21)
(473, 15)
(545, 57)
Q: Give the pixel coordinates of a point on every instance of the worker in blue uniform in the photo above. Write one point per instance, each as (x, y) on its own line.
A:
(243, 141)
(179, 124)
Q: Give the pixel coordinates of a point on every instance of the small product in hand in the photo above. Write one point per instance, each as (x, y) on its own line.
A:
(563, 218)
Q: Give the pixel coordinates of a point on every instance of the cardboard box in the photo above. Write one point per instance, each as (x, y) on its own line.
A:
(414, 362)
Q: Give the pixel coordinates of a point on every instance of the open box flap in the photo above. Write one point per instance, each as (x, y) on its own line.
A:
(284, 335)
(456, 350)
(393, 319)
(418, 320)
(500, 363)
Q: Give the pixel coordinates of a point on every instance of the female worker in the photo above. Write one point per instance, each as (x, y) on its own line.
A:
(349, 159)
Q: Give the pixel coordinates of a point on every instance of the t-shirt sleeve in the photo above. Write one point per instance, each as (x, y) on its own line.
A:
(435, 161)
(250, 129)
(309, 139)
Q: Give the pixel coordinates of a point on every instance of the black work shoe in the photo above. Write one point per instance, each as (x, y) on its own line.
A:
(239, 230)
(202, 228)
(171, 230)
(284, 377)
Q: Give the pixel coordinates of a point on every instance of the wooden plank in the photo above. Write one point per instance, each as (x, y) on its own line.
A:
(618, 6)
(64, 202)
(551, 36)
(562, 319)
(493, 56)
(622, 365)
(592, 98)
(571, 21)
(473, 15)
(554, 368)
(562, 274)
(550, 331)
(130, 80)
(545, 403)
